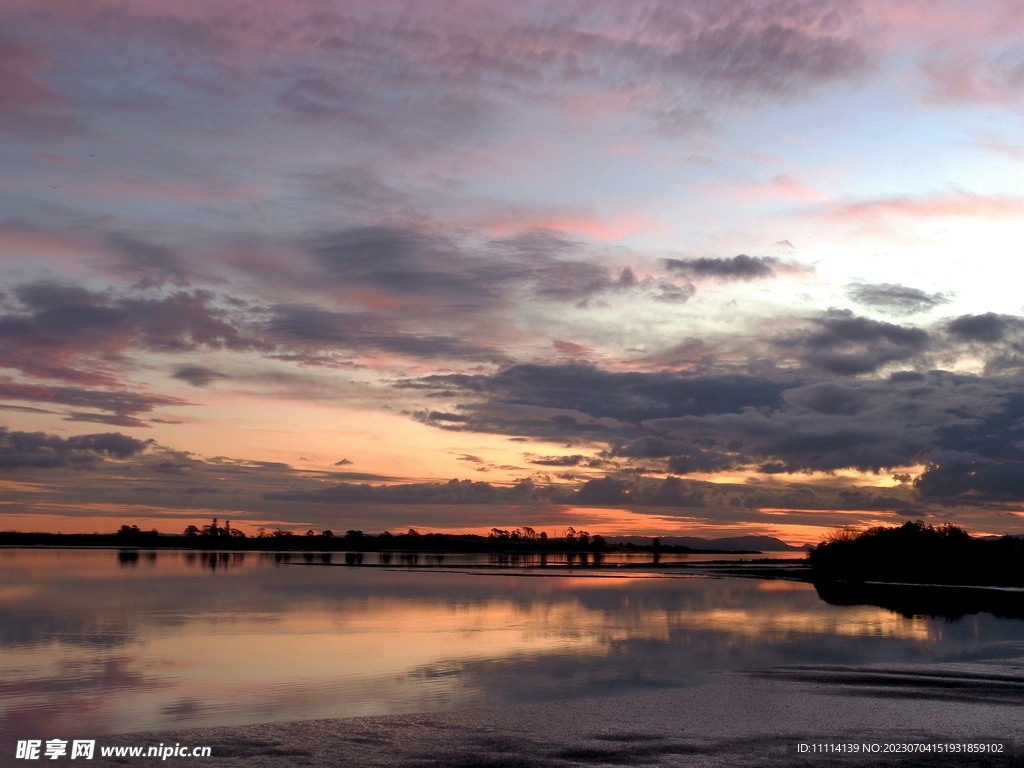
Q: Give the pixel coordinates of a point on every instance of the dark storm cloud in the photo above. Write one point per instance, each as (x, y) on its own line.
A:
(650, 447)
(112, 419)
(150, 259)
(402, 261)
(197, 375)
(452, 492)
(895, 299)
(686, 423)
(740, 267)
(844, 344)
(969, 431)
(627, 491)
(364, 476)
(25, 409)
(558, 268)
(413, 283)
(422, 80)
(409, 263)
(120, 403)
(57, 296)
(988, 327)
(629, 397)
(701, 459)
(603, 491)
(63, 331)
(112, 443)
(992, 434)
(423, 296)
(67, 332)
(304, 327)
(972, 479)
(572, 281)
(577, 401)
(36, 449)
(630, 491)
(867, 426)
(983, 459)
(560, 461)
(607, 491)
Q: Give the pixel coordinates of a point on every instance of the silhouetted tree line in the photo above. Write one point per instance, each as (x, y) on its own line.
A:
(217, 536)
(915, 553)
(222, 536)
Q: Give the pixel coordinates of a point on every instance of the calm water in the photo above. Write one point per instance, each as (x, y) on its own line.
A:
(94, 644)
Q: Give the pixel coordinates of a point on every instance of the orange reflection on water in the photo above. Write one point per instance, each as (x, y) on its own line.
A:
(93, 643)
(856, 622)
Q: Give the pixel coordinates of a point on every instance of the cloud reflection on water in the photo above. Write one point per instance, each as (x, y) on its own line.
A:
(92, 646)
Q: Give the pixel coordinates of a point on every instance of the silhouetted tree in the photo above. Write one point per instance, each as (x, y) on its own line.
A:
(844, 533)
(918, 553)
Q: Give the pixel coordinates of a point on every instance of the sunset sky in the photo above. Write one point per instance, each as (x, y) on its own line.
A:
(662, 268)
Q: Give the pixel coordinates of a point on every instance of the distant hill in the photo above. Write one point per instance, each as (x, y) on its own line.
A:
(732, 543)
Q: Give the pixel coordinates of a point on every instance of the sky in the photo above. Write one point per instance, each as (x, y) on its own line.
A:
(645, 268)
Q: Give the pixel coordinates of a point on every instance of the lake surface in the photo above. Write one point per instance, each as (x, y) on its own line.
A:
(94, 642)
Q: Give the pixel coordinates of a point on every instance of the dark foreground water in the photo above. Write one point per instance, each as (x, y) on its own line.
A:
(94, 643)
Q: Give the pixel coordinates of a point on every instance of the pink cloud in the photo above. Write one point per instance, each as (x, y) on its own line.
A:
(944, 20)
(122, 403)
(996, 207)
(788, 187)
(590, 226)
(55, 159)
(42, 246)
(20, 87)
(967, 77)
(571, 349)
(455, 69)
(967, 52)
(780, 187)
